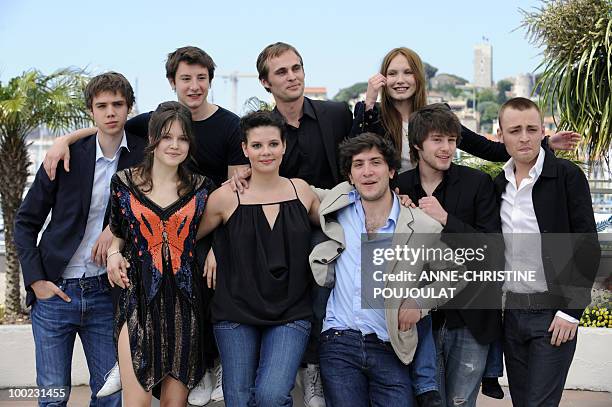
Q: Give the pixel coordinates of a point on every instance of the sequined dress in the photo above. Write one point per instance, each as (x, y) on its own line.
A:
(163, 307)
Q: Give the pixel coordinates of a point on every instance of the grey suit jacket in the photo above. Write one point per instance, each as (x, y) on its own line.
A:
(410, 221)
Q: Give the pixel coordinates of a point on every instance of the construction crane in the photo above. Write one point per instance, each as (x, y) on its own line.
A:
(233, 78)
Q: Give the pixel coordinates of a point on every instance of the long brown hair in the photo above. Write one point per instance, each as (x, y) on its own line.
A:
(390, 117)
(159, 125)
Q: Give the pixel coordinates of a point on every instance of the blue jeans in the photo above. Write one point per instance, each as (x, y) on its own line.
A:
(260, 362)
(424, 366)
(494, 367)
(55, 324)
(364, 371)
(461, 363)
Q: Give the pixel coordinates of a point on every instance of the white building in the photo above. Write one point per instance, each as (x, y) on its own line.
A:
(316, 93)
(523, 85)
(483, 65)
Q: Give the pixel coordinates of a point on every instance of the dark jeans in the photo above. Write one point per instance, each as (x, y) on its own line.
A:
(495, 361)
(424, 365)
(260, 362)
(55, 324)
(319, 296)
(536, 369)
(362, 371)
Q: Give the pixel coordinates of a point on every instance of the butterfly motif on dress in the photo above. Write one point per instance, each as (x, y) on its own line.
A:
(165, 238)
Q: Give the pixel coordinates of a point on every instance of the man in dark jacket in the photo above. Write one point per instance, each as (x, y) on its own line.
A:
(67, 288)
(462, 200)
(549, 228)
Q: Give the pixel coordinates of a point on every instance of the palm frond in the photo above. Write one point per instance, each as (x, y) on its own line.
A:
(577, 68)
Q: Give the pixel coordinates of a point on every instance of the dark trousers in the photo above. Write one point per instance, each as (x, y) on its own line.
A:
(363, 371)
(319, 296)
(536, 369)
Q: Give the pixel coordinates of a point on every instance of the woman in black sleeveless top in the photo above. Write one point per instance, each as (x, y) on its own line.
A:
(261, 309)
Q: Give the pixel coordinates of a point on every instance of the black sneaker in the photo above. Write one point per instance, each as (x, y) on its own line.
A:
(429, 399)
(491, 388)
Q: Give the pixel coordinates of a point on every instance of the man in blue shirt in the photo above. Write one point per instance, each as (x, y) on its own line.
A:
(68, 291)
(365, 350)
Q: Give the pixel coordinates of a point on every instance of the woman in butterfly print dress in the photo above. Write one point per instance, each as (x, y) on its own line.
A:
(155, 212)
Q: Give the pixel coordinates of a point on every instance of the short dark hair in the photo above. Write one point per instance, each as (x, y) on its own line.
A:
(109, 82)
(191, 56)
(436, 117)
(273, 51)
(261, 118)
(350, 147)
(519, 104)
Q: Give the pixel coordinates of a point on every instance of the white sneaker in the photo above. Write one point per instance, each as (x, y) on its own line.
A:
(112, 382)
(217, 393)
(200, 395)
(309, 379)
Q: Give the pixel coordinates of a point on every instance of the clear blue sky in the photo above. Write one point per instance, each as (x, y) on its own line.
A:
(342, 42)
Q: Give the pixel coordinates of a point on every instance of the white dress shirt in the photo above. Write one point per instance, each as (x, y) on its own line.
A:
(81, 265)
(518, 217)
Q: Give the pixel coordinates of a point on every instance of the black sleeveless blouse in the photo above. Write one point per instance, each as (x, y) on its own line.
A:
(263, 275)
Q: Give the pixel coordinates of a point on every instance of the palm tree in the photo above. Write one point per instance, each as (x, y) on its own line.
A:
(27, 102)
(577, 77)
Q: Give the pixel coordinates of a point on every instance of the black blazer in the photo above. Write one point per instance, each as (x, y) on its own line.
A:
(562, 203)
(335, 121)
(469, 198)
(69, 196)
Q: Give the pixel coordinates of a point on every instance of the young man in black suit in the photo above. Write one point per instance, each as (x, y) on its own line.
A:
(462, 200)
(315, 128)
(67, 288)
(548, 202)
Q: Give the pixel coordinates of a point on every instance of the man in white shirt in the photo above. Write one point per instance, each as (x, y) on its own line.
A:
(539, 195)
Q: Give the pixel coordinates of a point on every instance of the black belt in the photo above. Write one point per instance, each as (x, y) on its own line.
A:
(544, 300)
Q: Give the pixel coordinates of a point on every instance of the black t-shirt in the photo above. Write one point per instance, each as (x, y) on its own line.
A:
(217, 142)
(305, 156)
(415, 192)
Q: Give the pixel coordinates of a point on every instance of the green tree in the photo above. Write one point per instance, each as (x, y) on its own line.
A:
(346, 94)
(27, 102)
(486, 95)
(450, 89)
(430, 71)
(502, 87)
(488, 111)
(577, 66)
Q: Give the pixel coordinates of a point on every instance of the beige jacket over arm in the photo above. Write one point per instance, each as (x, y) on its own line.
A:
(410, 221)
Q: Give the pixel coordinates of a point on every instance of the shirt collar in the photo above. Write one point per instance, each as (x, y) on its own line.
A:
(100, 154)
(534, 172)
(355, 198)
(307, 110)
